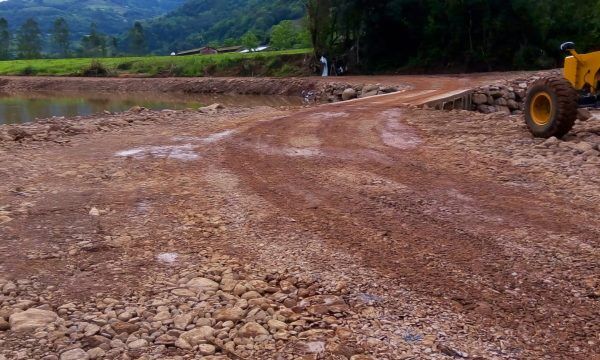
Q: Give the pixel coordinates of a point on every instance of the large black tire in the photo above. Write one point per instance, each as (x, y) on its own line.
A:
(556, 97)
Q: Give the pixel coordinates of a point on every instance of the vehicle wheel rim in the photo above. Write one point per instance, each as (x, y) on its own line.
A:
(541, 109)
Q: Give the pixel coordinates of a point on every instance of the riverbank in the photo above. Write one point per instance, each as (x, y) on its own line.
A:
(311, 89)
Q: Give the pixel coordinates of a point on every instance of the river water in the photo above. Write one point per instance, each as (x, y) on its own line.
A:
(22, 108)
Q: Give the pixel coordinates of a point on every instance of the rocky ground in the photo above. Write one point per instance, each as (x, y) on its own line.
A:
(358, 230)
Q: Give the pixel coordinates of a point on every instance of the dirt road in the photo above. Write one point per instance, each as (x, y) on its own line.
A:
(441, 234)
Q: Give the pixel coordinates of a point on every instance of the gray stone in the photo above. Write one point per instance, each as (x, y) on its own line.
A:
(512, 104)
(74, 354)
(501, 102)
(276, 325)
(211, 109)
(486, 109)
(9, 287)
(369, 88)
(503, 109)
(229, 314)
(31, 319)
(368, 94)
(206, 349)
(197, 336)
(124, 327)
(96, 353)
(348, 94)
(202, 284)
(583, 147)
(479, 99)
(137, 344)
(181, 321)
(252, 329)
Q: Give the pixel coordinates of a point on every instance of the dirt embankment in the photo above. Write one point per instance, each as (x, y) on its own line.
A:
(311, 88)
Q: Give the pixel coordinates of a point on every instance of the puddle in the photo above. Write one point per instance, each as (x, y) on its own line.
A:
(315, 347)
(217, 137)
(288, 151)
(213, 138)
(179, 152)
(167, 258)
(302, 152)
(397, 134)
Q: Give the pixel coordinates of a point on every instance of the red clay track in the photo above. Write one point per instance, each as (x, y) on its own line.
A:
(433, 212)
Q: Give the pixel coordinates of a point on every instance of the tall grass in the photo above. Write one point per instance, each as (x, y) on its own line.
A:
(274, 63)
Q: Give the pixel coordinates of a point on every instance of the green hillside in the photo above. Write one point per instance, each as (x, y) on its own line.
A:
(112, 17)
(198, 22)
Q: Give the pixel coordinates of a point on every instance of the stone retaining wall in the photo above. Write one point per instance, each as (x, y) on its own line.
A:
(507, 97)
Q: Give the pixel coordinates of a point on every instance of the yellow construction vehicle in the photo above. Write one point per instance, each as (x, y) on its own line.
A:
(552, 103)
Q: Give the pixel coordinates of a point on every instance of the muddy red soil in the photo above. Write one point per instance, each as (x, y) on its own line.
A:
(433, 212)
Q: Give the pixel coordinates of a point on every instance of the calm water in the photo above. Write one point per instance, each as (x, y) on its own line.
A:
(21, 108)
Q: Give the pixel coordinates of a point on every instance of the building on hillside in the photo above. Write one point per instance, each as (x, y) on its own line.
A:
(258, 49)
(229, 49)
(207, 50)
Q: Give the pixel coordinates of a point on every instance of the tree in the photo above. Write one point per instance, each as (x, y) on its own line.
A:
(60, 38)
(94, 44)
(456, 35)
(137, 39)
(250, 40)
(4, 40)
(29, 40)
(283, 35)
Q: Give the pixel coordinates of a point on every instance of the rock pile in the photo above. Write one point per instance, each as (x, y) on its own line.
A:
(60, 129)
(506, 97)
(220, 309)
(334, 92)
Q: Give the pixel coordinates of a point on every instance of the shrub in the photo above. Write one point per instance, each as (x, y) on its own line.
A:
(96, 69)
(28, 71)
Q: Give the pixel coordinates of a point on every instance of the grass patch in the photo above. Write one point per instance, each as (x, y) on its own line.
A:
(274, 63)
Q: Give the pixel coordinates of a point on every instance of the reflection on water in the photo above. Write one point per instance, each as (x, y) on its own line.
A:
(21, 108)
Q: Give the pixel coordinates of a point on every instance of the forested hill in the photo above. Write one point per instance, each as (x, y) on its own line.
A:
(198, 22)
(112, 17)
(458, 35)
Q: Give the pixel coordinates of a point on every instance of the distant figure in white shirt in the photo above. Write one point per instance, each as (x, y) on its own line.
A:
(325, 66)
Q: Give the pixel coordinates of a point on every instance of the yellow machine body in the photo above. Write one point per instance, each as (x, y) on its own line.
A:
(583, 70)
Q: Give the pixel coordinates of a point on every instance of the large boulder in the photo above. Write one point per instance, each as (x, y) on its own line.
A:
(31, 319)
(348, 94)
(479, 99)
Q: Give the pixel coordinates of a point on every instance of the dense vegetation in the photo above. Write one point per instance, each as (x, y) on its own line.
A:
(365, 35)
(200, 22)
(458, 35)
(274, 63)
